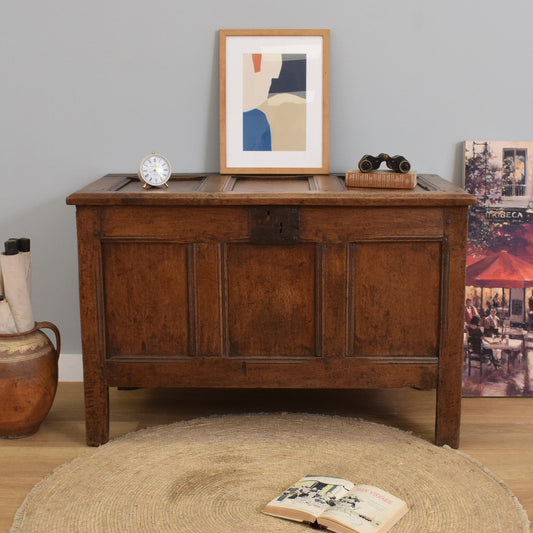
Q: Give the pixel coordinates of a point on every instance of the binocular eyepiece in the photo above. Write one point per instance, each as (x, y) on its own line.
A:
(396, 163)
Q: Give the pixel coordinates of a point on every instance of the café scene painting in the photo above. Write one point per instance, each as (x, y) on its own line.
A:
(498, 333)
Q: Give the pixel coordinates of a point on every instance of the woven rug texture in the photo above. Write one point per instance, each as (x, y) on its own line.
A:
(214, 475)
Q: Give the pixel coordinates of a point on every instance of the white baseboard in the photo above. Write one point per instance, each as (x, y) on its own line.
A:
(70, 367)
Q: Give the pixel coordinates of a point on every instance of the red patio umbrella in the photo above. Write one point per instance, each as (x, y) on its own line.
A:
(500, 270)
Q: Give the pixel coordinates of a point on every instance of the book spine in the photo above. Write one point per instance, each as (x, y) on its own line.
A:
(385, 180)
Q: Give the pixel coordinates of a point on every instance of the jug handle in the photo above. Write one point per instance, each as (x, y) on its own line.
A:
(53, 327)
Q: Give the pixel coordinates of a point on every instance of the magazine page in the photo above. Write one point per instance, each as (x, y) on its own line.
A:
(308, 497)
(365, 509)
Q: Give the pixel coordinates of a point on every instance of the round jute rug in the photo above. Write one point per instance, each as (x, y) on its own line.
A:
(214, 475)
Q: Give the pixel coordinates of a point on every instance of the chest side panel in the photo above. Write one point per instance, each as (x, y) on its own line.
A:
(395, 298)
(146, 304)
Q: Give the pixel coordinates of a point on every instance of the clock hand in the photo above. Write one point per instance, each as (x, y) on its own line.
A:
(157, 170)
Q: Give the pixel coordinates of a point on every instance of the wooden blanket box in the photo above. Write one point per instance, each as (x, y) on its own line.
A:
(294, 282)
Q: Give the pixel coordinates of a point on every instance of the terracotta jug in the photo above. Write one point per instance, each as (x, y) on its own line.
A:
(28, 379)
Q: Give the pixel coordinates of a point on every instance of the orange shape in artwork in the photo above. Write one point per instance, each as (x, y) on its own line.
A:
(256, 59)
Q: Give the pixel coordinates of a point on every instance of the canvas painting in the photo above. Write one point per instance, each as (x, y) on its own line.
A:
(498, 347)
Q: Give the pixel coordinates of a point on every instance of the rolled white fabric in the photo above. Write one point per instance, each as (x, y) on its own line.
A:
(23, 245)
(7, 322)
(16, 290)
(27, 269)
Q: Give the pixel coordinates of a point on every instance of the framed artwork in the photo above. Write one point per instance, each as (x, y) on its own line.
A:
(274, 101)
(499, 268)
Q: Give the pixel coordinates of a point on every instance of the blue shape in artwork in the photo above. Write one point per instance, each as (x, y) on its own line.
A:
(255, 131)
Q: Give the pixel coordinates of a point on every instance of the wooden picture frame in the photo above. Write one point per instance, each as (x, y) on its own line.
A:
(274, 101)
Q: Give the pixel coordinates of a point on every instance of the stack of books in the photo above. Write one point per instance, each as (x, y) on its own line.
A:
(380, 179)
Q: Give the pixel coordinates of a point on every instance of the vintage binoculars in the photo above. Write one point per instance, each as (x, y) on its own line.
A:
(396, 163)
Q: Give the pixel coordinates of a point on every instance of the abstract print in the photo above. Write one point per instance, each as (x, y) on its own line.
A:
(274, 102)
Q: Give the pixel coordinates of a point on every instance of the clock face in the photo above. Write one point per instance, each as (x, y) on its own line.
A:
(154, 170)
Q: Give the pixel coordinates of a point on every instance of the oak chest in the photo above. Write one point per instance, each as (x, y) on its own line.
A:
(236, 281)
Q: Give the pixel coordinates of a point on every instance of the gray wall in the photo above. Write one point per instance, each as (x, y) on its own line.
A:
(90, 87)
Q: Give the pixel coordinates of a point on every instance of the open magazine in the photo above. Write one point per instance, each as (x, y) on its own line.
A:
(338, 505)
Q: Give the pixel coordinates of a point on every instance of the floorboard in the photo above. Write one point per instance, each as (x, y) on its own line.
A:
(497, 432)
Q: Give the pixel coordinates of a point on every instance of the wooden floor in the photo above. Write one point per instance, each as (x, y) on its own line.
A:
(498, 432)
